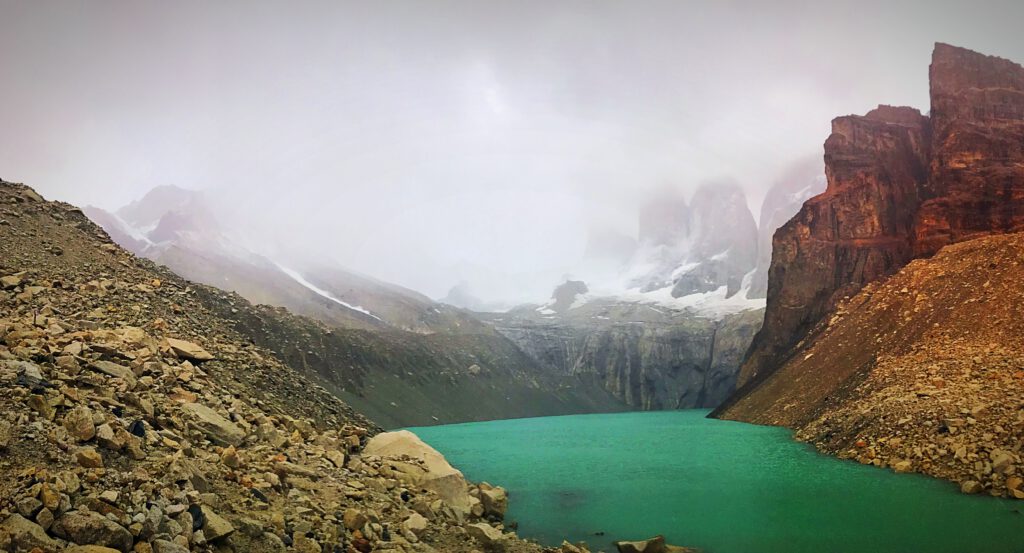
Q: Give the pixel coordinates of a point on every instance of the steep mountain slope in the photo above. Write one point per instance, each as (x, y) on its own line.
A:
(922, 371)
(178, 228)
(668, 328)
(394, 354)
(900, 186)
(134, 416)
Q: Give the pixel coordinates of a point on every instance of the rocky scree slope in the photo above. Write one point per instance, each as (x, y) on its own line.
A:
(923, 371)
(133, 418)
(406, 361)
(900, 186)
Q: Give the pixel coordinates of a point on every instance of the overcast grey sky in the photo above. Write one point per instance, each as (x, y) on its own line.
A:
(430, 142)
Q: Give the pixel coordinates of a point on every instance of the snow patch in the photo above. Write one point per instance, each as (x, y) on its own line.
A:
(324, 293)
(711, 304)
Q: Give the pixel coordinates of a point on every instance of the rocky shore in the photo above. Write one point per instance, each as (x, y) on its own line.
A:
(133, 418)
(946, 397)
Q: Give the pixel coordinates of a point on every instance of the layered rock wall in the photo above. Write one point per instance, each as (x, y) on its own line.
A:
(900, 186)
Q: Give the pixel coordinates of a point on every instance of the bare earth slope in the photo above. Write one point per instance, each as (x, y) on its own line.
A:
(901, 185)
(923, 371)
(135, 417)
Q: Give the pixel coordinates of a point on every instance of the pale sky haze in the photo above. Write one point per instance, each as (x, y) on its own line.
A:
(432, 142)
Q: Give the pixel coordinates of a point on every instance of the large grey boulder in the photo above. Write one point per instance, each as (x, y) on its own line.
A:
(26, 535)
(434, 473)
(218, 429)
(89, 528)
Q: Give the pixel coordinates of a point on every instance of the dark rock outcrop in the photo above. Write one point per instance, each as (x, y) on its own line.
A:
(647, 357)
(566, 293)
(900, 186)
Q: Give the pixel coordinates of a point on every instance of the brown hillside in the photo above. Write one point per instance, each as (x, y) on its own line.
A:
(901, 185)
(924, 370)
(135, 417)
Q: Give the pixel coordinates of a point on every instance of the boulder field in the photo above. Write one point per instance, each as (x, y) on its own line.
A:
(136, 418)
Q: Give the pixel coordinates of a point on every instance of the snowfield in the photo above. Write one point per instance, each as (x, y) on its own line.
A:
(320, 291)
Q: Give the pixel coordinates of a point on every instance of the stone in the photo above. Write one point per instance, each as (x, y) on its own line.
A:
(416, 523)
(29, 506)
(49, 496)
(10, 281)
(230, 457)
(217, 429)
(110, 496)
(79, 424)
(337, 458)
(108, 438)
(45, 518)
(117, 371)
(164, 546)
(903, 466)
(88, 458)
(188, 350)
(971, 487)
(215, 527)
(567, 547)
(1002, 461)
(486, 534)
(495, 501)
(305, 544)
(439, 476)
(73, 349)
(6, 434)
(90, 528)
(39, 404)
(89, 549)
(354, 519)
(652, 545)
(26, 535)
(476, 507)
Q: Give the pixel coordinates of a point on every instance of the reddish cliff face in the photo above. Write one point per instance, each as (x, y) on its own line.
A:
(977, 166)
(900, 186)
(858, 230)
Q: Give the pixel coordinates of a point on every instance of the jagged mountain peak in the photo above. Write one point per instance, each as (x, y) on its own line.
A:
(698, 247)
(901, 186)
(157, 202)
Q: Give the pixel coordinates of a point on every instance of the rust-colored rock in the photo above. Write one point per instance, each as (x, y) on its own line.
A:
(901, 185)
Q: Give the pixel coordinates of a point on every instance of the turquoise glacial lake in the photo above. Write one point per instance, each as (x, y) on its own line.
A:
(724, 487)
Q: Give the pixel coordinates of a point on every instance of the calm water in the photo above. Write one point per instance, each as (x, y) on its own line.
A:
(722, 486)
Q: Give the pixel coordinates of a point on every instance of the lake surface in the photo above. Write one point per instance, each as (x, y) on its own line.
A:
(724, 487)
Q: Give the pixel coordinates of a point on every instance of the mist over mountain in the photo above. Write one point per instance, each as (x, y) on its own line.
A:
(479, 147)
(511, 276)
